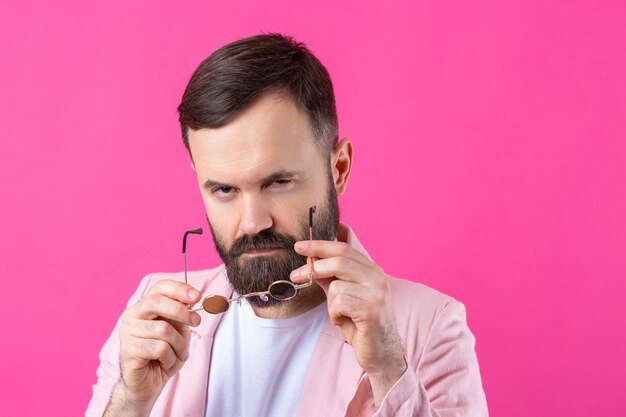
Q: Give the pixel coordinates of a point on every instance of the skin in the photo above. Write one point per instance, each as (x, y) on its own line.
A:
(242, 174)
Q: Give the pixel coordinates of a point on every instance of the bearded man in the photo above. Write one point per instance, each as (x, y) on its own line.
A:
(299, 320)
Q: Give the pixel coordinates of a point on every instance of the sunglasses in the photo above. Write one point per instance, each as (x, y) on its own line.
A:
(279, 290)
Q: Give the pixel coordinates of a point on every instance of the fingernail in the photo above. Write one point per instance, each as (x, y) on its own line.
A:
(295, 274)
(193, 294)
(301, 245)
(195, 319)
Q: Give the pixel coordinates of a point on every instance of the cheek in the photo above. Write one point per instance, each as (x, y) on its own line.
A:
(223, 222)
(296, 223)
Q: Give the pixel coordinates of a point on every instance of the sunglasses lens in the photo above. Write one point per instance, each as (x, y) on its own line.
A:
(215, 304)
(282, 290)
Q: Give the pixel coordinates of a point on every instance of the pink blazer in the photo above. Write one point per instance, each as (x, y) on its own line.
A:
(443, 378)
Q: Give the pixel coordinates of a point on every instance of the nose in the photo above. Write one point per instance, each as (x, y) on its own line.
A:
(254, 218)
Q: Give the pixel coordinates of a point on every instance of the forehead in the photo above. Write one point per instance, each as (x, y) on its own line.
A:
(271, 135)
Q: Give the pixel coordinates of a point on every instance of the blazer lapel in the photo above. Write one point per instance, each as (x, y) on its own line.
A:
(333, 376)
(194, 376)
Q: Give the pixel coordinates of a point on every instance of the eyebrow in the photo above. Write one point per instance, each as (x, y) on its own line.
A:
(283, 174)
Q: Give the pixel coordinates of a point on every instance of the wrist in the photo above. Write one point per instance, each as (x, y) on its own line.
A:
(125, 404)
(392, 371)
(382, 381)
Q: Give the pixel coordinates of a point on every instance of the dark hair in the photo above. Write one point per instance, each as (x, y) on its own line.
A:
(234, 76)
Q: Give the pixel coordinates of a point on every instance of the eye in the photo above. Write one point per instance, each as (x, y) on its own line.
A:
(281, 185)
(223, 192)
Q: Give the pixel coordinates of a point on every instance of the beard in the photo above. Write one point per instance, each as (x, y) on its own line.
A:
(257, 273)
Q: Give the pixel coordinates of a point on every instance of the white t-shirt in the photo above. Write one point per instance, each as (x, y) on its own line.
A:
(259, 366)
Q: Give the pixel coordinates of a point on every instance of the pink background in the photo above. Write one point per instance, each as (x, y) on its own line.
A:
(490, 164)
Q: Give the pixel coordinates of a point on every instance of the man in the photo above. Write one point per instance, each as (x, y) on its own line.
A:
(259, 121)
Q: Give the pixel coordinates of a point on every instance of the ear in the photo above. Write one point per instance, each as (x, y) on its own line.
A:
(341, 164)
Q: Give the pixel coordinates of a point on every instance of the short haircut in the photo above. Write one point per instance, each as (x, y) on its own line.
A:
(232, 78)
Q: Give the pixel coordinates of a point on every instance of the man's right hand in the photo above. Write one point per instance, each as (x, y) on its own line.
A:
(154, 344)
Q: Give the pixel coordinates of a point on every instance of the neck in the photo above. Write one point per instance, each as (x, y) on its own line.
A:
(307, 299)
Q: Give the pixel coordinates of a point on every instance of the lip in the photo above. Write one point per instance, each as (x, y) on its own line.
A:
(260, 252)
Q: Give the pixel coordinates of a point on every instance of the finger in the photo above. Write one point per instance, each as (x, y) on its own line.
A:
(343, 268)
(360, 301)
(164, 331)
(338, 286)
(358, 310)
(141, 350)
(174, 368)
(156, 305)
(176, 291)
(340, 312)
(329, 248)
(183, 329)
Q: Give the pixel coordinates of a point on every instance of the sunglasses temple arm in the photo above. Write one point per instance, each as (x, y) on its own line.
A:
(197, 231)
(309, 260)
(185, 258)
(311, 211)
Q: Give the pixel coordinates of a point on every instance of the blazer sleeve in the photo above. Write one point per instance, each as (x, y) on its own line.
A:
(108, 371)
(446, 381)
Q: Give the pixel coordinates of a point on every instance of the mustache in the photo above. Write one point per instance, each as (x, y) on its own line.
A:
(264, 240)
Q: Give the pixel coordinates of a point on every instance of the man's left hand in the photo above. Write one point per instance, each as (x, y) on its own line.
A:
(359, 305)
